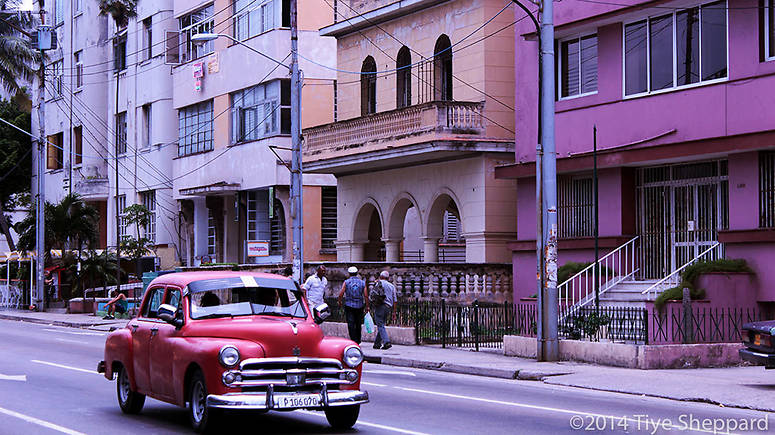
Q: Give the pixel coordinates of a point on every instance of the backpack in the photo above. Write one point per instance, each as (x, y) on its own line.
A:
(377, 294)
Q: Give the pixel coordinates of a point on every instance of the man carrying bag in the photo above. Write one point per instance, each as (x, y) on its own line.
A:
(381, 299)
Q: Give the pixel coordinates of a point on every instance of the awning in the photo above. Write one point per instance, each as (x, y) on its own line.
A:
(220, 188)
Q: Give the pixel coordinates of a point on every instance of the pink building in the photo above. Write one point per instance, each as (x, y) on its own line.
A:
(683, 98)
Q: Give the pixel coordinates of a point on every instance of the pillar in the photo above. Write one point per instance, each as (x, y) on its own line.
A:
(430, 249)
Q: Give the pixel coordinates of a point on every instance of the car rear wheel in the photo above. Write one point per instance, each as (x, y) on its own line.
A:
(199, 414)
(131, 402)
(343, 417)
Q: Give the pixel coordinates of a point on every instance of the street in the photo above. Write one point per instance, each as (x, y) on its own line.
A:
(48, 385)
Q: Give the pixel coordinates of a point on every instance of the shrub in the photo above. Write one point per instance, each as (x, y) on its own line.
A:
(689, 279)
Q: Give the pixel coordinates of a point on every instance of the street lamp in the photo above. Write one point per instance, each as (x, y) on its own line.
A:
(296, 170)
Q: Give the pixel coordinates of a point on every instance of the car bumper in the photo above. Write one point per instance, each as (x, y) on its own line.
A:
(758, 358)
(270, 400)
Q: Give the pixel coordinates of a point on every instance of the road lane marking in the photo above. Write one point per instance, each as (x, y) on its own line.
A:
(64, 366)
(98, 334)
(372, 384)
(537, 407)
(390, 372)
(40, 422)
(375, 425)
(65, 340)
(22, 378)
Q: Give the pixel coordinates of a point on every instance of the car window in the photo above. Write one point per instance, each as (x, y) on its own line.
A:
(154, 301)
(173, 297)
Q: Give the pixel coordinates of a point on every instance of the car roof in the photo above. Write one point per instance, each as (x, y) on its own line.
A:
(182, 279)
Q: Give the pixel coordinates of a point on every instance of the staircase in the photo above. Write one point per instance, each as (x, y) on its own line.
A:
(627, 294)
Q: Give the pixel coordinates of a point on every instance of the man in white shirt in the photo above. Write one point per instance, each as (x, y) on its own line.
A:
(315, 287)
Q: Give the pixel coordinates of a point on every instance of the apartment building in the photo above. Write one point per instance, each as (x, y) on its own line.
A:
(423, 113)
(681, 96)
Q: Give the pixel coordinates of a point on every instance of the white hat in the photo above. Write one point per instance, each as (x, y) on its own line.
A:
(352, 269)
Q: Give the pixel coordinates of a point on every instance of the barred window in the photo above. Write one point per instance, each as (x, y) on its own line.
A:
(265, 224)
(56, 71)
(195, 128)
(201, 21)
(328, 218)
(767, 189)
(210, 233)
(575, 207)
(121, 207)
(255, 111)
(149, 202)
(121, 133)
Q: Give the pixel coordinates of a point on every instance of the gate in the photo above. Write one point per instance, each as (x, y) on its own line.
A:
(680, 208)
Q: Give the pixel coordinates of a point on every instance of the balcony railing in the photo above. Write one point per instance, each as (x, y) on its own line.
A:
(456, 117)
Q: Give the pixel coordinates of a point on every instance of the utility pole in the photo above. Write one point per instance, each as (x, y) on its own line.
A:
(296, 186)
(596, 269)
(39, 293)
(548, 347)
(118, 212)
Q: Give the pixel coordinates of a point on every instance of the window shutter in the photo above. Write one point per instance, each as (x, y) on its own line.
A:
(172, 56)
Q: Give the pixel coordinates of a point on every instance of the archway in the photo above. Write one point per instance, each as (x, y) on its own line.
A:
(444, 239)
(404, 231)
(403, 78)
(368, 86)
(442, 69)
(368, 230)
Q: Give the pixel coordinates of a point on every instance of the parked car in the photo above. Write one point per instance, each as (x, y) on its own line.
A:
(233, 340)
(758, 339)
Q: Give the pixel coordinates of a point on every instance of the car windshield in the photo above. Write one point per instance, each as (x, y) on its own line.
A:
(246, 301)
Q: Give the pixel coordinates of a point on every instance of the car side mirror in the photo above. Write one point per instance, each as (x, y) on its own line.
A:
(168, 313)
(321, 313)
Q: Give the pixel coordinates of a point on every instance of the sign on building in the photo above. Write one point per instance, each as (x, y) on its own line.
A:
(258, 248)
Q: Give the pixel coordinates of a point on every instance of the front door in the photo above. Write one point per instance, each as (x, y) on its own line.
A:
(141, 329)
(162, 351)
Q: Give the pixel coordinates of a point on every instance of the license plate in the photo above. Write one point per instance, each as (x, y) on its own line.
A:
(297, 401)
(757, 339)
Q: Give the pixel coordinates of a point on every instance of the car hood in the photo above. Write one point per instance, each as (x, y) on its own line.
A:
(764, 326)
(279, 336)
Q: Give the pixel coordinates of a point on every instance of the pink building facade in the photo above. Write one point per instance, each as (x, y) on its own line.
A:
(683, 98)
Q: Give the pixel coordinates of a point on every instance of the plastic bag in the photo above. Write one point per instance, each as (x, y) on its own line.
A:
(369, 323)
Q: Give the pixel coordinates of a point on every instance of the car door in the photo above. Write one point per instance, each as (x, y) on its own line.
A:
(162, 350)
(141, 338)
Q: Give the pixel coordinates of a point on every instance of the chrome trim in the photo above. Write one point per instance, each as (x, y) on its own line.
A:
(220, 356)
(259, 400)
(344, 355)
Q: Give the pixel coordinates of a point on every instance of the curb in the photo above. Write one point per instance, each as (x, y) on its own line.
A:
(52, 322)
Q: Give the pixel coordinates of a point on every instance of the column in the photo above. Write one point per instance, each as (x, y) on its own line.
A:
(431, 249)
(392, 250)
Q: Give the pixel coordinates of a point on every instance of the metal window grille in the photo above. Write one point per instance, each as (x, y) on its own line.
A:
(336, 100)
(57, 68)
(451, 229)
(210, 233)
(201, 21)
(328, 217)
(195, 128)
(575, 209)
(277, 228)
(121, 133)
(59, 15)
(767, 189)
(149, 202)
(120, 209)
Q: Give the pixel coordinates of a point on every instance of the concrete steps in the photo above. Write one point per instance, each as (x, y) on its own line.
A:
(627, 294)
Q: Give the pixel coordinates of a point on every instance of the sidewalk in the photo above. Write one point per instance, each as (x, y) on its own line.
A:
(740, 387)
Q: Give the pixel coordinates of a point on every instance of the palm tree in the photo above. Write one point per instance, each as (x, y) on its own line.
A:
(120, 10)
(16, 51)
(71, 220)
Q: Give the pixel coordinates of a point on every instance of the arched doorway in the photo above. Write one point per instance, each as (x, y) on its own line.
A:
(403, 78)
(368, 230)
(404, 231)
(444, 232)
(442, 69)
(368, 86)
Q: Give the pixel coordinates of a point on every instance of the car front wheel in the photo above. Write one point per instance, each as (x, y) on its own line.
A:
(131, 402)
(343, 417)
(199, 414)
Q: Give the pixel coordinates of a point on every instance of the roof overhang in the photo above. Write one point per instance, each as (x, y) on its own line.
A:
(377, 16)
(215, 189)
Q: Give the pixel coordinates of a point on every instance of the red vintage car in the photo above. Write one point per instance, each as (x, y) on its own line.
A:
(233, 340)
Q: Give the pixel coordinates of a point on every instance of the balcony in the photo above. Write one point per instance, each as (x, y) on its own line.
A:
(400, 137)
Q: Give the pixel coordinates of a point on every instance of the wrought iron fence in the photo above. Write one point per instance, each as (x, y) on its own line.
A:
(478, 325)
(673, 324)
(628, 324)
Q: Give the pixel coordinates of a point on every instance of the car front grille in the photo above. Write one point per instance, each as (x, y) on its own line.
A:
(295, 373)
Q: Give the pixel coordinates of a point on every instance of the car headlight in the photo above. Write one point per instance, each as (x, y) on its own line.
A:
(353, 356)
(228, 356)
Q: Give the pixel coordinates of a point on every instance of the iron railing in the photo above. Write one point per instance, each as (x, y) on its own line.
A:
(673, 324)
(673, 279)
(611, 269)
(628, 324)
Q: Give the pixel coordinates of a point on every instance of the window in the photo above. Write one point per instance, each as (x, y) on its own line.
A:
(578, 66)
(769, 30)
(77, 148)
(404, 78)
(210, 233)
(78, 60)
(678, 49)
(119, 52)
(255, 111)
(148, 200)
(154, 302)
(442, 69)
(201, 21)
(59, 15)
(121, 207)
(54, 151)
(147, 125)
(265, 224)
(328, 218)
(767, 189)
(451, 227)
(77, 5)
(575, 207)
(252, 18)
(277, 228)
(368, 86)
(56, 69)
(121, 133)
(148, 37)
(195, 128)
(336, 101)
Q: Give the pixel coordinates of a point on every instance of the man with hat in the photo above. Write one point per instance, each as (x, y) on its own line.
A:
(356, 303)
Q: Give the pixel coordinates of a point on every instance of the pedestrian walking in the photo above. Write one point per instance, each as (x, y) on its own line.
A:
(315, 287)
(381, 298)
(356, 303)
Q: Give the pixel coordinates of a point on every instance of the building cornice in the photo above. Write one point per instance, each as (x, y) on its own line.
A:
(377, 16)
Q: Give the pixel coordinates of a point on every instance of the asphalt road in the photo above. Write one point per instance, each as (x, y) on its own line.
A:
(48, 385)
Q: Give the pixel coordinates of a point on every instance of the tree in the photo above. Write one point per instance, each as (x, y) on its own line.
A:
(69, 221)
(120, 10)
(15, 161)
(16, 50)
(96, 268)
(137, 247)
